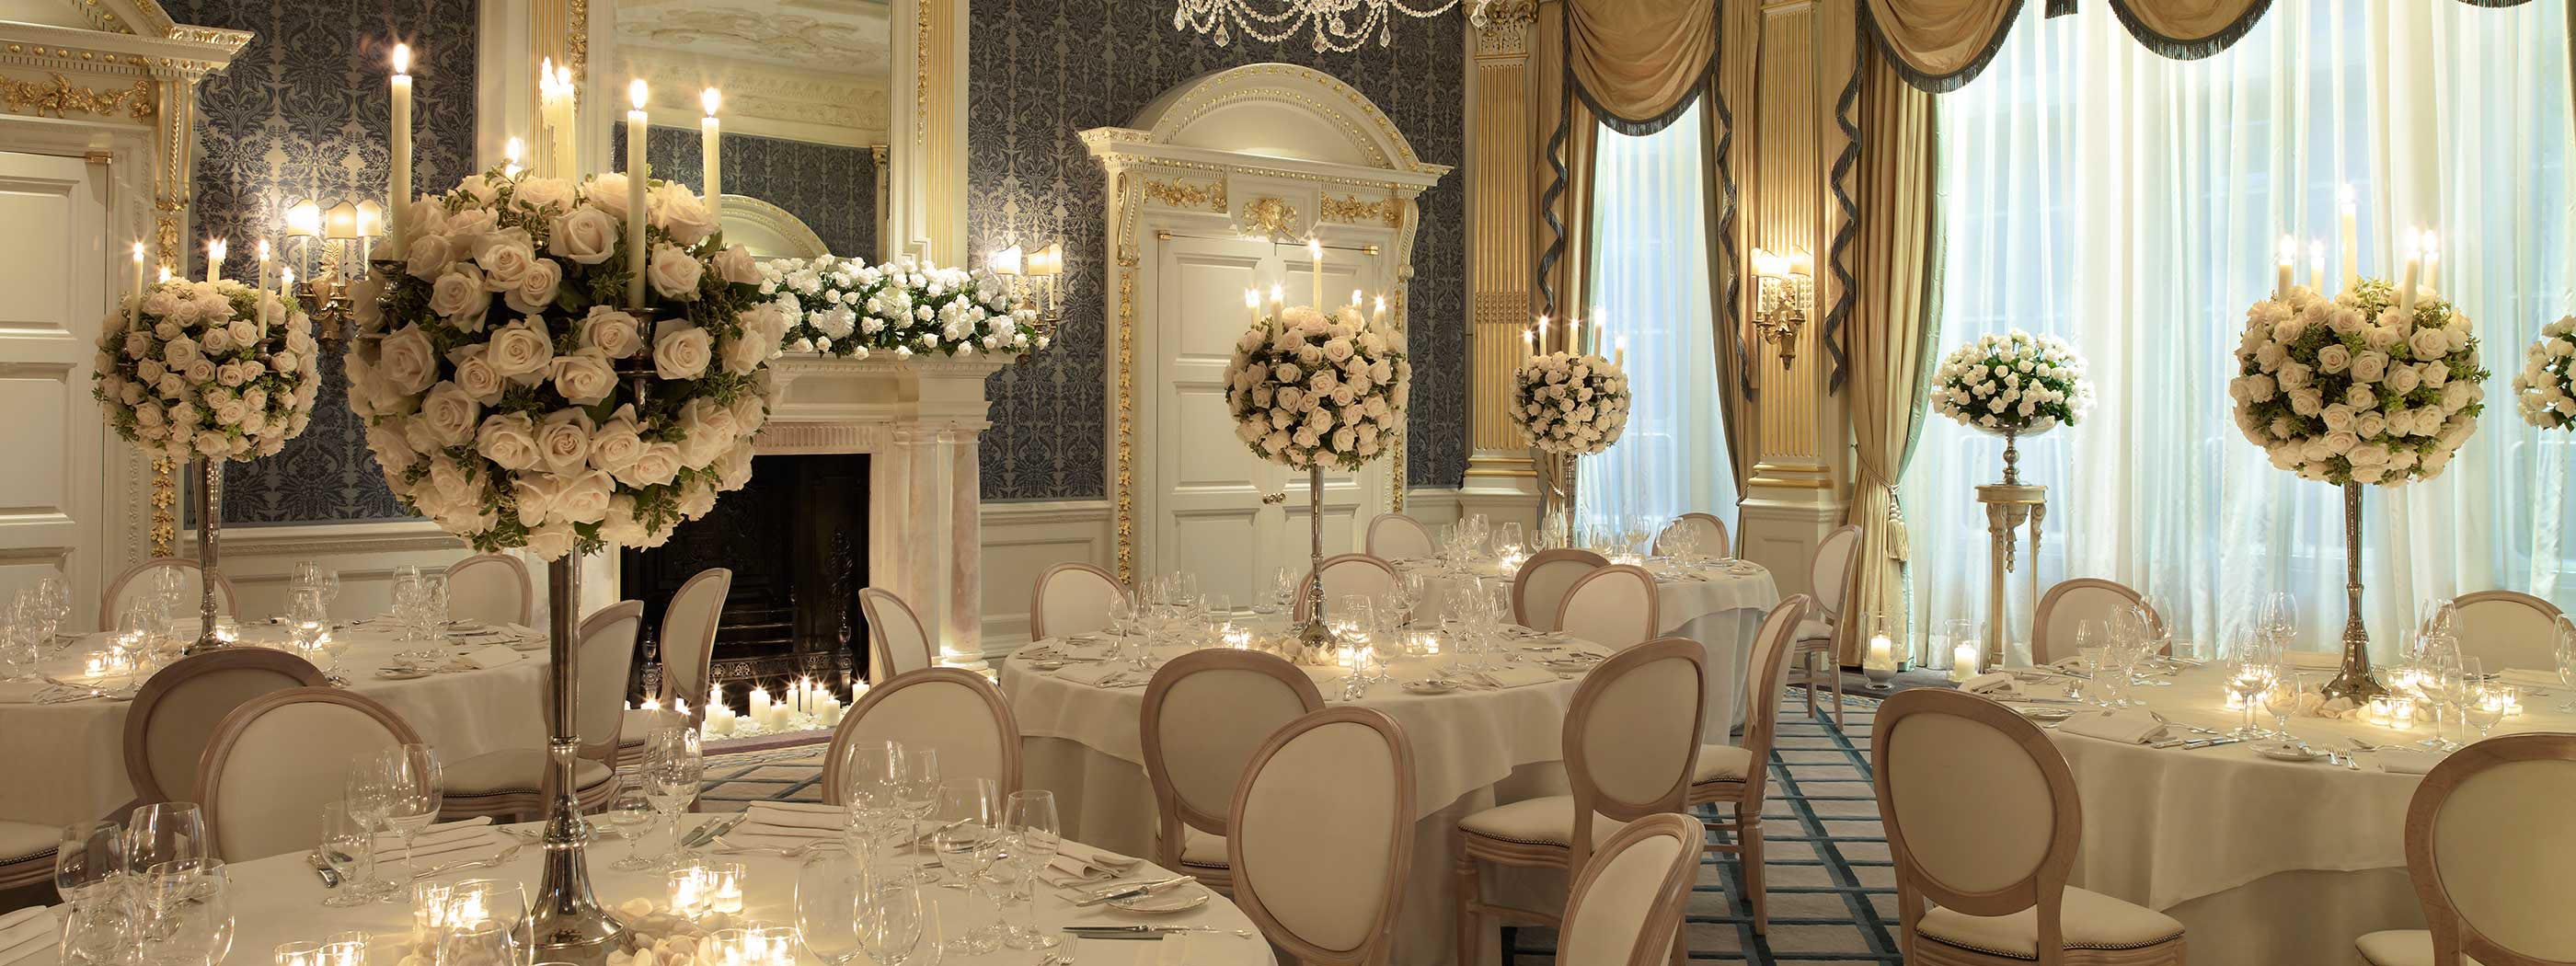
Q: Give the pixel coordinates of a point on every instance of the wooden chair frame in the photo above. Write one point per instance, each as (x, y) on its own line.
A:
(1520, 578)
(1380, 943)
(1037, 595)
(527, 587)
(880, 651)
(147, 702)
(1313, 575)
(2453, 937)
(1771, 657)
(1654, 607)
(116, 587)
(845, 732)
(2040, 651)
(1663, 920)
(1370, 542)
(210, 769)
(1808, 651)
(1174, 817)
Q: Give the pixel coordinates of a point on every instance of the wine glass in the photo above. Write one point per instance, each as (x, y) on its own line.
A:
(348, 847)
(165, 834)
(187, 914)
(2488, 705)
(1029, 822)
(2567, 661)
(965, 818)
(827, 893)
(2249, 672)
(673, 767)
(487, 925)
(97, 933)
(22, 651)
(888, 915)
(629, 814)
(2282, 700)
(1510, 541)
(89, 861)
(56, 594)
(412, 795)
(363, 791)
(916, 792)
(308, 621)
(872, 771)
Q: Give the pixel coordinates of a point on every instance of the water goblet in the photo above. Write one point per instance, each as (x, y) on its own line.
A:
(630, 813)
(916, 793)
(888, 914)
(827, 893)
(964, 818)
(1029, 821)
(2487, 705)
(673, 767)
(348, 847)
(89, 862)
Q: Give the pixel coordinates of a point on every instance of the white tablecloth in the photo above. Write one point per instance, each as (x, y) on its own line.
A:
(1472, 750)
(2208, 833)
(79, 746)
(277, 900)
(1720, 605)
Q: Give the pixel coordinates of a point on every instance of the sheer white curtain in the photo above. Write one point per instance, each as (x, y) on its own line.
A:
(1651, 293)
(2130, 204)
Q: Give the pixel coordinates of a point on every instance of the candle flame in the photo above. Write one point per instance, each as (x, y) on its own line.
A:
(165, 274)
(1315, 247)
(1277, 293)
(2347, 197)
(402, 59)
(289, 276)
(1251, 296)
(217, 249)
(510, 151)
(263, 249)
(2289, 249)
(637, 94)
(711, 99)
(138, 253)
(1381, 303)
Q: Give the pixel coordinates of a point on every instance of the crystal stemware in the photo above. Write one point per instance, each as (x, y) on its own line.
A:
(915, 793)
(965, 822)
(89, 862)
(1029, 822)
(630, 813)
(827, 893)
(888, 913)
(413, 793)
(871, 772)
(348, 847)
(673, 767)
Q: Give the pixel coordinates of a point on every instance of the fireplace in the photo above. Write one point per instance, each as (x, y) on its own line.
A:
(796, 539)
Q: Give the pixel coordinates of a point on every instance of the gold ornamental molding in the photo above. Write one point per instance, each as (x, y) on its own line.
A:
(1271, 217)
(1183, 194)
(63, 98)
(1350, 210)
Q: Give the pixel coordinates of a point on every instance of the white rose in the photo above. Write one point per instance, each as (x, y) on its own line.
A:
(736, 265)
(2333, 358)
(612, 332)
(607, 192)
(586, 235)
(681, 350)
(509, 440)
(405, 362)
(521, 350)
(550, 542)
(618, 527)
(543, 193)
(658, 464)
(706, 429)
(615, 445)
(460, 298)
(245, 333)
(744, 353)
(535, 495)
(675, 273)
(677, 210)
(505, 265)
(475, 375)
(537, 289)
(2428, 344)
(450, 413)
(427, 257)
(2402, 379)
(563, 441)
(584, 377)
(584, 497)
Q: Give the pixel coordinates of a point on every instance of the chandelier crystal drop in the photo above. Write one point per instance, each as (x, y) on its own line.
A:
(1340, 26)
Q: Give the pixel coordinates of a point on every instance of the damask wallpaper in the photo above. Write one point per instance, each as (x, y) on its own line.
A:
(303, 113)
(1045, 69)
(832, 189)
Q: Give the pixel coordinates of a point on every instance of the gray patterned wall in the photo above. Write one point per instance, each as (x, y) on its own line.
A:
(1045, 69)
(303, 112)
(832, 189)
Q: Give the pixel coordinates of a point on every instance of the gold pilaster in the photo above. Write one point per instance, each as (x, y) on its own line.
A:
(1501, 251)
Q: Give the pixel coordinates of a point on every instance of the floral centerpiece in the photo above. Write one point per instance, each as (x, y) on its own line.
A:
(1567, 404)
(2545, 389)
(216, 370)
(510, 394)
(845, 307)
(2015, 384)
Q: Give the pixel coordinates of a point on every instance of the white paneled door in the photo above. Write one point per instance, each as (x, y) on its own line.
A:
(1216, 510)
(53, 267)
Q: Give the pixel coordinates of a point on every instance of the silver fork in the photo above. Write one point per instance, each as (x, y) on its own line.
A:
(506, 855)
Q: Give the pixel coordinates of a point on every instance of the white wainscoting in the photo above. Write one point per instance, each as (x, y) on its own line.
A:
(1022, 540)
(260, 560)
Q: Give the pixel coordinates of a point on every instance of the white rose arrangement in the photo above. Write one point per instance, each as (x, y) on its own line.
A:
(496, 375)
(2354, 389)
(2014, 383)
(845, 307)
(1569, 404)
(2545, 389)
(1312, 390)
(218, 370)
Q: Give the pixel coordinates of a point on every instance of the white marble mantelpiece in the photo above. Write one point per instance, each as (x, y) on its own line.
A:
(920, 421)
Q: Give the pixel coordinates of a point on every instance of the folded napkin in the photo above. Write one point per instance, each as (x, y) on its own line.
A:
(27, 932)
(1991, 684)
(1065, 650)
(2520, 677)
(1516, 677)
(746, 836)
(2313, 660)
(1093, 674)
(2408, 761)
(491, 656)
(796, 820)
(441, 839)
(1076, 863)
(2131, 727)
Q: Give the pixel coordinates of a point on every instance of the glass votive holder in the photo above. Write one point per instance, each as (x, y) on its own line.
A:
(298, 954)
(771, 945)
(728, 947)
(345, 952)
(686, 892)
(430, 904)
(724, 884)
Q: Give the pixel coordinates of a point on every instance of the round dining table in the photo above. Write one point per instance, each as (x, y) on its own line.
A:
(1473, 748)
(2264, 861)
(1717, 602)
(78, 745)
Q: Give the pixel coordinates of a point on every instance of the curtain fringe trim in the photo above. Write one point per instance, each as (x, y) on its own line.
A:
(1838, 255)
(1938, 83)
(1641, 127)
(2176, 48)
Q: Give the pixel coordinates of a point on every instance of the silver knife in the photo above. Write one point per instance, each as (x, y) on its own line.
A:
(1121, 932)
(2209, 743)
(1141, 888)
(708, 832)
(322, 870)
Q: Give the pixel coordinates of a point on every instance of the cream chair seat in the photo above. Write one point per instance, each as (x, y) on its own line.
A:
(1395, 536)
(26, 853)
(2400, 947)
(1540, 586)
(1733, 775)
(515, 773)
(1830, 575)
(1202, 853)
(2488, 850)
(1546, 820)
(897, 643)
(2091, 920)
(490, 587)
(132, 583)
(1204, 715)
(1722, 763)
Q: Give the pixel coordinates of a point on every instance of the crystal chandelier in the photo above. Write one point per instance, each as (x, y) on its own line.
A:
(1340, 26)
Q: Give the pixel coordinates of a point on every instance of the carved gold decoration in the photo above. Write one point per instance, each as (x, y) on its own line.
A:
(1274, 217)
(165, 495)
(1183, 194)
(63, 98)
(577, 39)
(1349, 209)
(1126, 387)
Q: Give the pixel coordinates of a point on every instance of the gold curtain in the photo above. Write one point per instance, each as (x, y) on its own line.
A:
(1940, 45)
(1730, 87)
(1639, 60)
(1892, 329)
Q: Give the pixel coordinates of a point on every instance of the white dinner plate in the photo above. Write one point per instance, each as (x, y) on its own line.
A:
(403, 673)
(1429, 687)
(2285, 751)
(1159, 903)
(2043, 714)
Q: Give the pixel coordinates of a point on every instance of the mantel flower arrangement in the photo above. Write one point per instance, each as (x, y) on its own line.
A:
(1570, 404)
(2013, 384)
(2357, 388)
(214, 370)
(845, 307)
(500, 374)
(1310, 390)
(2545, 389)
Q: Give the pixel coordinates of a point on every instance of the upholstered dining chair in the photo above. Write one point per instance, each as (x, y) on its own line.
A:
(1830, 576)
(1395, 536)
(274, 762)
(1321, 836)
(1350, 574)
(1734, 776)
(514, 784)
(1709, 536)
(178, 707)
(2487, 846)
(1611, 606)
(687, 653)
(897, 643)
(134, 583)
(2069, 603)
(1205, 713)
(1983, 821)
(1072, 598)
(1539, 587)
(1631, 744)
(1626, 907)
(953, 711)
(492, 588)
(26, 853)
(2507, 628)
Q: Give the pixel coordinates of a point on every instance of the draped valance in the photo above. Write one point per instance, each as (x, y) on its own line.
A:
(1638, 63)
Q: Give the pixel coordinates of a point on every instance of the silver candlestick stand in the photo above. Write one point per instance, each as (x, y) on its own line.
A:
(209, 544)
(571, 926)
(1315, 640)
(2354, 681)
(2009, 505)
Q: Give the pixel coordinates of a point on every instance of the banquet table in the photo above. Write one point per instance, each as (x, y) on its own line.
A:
(2265, 861)
(78, 746)
(1472, 750)
(1719, 603)
(278, 900)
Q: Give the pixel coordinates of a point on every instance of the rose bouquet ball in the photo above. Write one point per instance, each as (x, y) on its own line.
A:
(218, 370)
(1310, 390)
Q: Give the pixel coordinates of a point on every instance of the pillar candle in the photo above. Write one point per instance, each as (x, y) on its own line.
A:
(1277, 296)
(1377, 315)
(510, 153)
(1882, 653)
(2432, 262)
(263, 267)
(2289, 254)
(711, 147)
(636, 173)
(216, 248)
(2317, 266)
(1622, 348)
(2406, 280)
(1252, 304)
(1315, 255)
(134, 309)
(2347, 214)
(1963, 662)
(398, 189)
(1529, 343)
(1542, 334)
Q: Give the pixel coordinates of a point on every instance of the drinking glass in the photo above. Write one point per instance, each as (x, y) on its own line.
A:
(872, 772)
(412, 794)
(308, 622)
(888, 916)
(2096, 660)
(629, 814)
(2282, 700)
(482, 942)
(165, 833)
(1509, 540)
(965, 821)
(97, 933)
(2281, 617)
(348, 847)
(2248, 674)
(22, 651)
(186, 914)
(827, 893)
(1029, 821)
(673, 768)
(2488, 705)
(915, 793)
(2567, 661)
(89, 862)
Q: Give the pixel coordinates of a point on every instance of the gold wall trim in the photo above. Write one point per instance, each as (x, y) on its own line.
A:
(1184, 194)
(63, 98)
(1351, 210)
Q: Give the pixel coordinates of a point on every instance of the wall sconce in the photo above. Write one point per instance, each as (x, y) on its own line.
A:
(347, 235)
(1033, 278)
(1785, 294)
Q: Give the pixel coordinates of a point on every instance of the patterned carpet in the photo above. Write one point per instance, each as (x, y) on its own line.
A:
(1833, 889)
